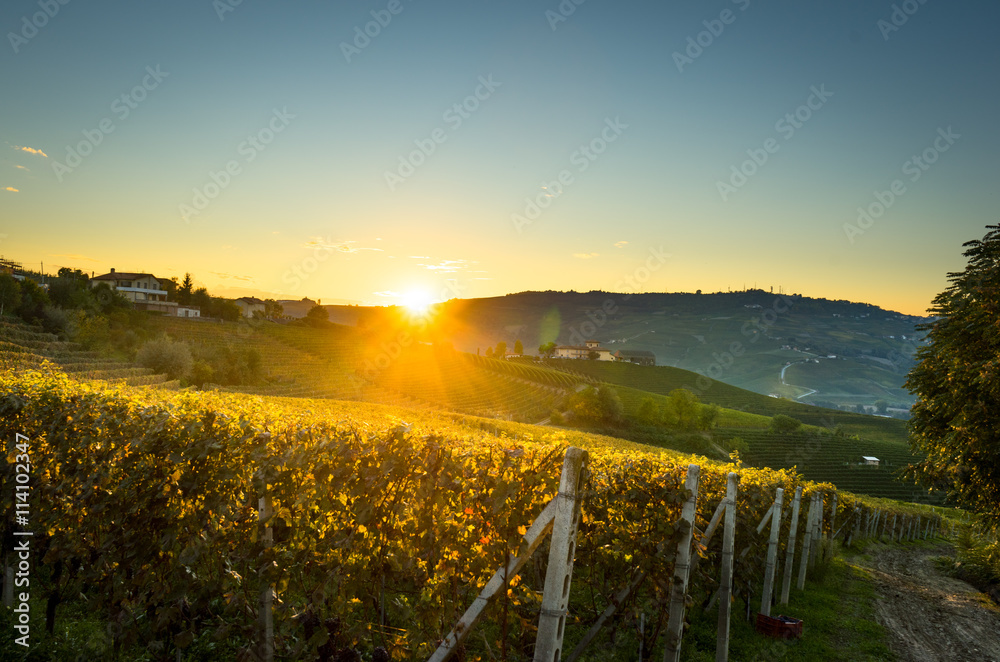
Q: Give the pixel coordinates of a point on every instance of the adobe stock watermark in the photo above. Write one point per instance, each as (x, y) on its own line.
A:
(562, 12)
(223, 7)
(122, 107)
(249, 149)
(580, 333)
(714, 28)
(752, 329)
(900, 15)
(786, 127)
(297, 274)
(37, 21)
(454, 116)
(381, 18)
(390, 350)
(581, 159)
(914, 168)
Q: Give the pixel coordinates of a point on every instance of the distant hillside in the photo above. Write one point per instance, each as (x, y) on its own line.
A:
(834, 353)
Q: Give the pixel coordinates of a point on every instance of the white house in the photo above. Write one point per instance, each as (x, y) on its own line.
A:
(250, 305)
(145, 291)
(583, 351)
(869, 460)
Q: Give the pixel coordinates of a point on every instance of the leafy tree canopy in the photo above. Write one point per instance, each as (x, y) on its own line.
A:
(956, 419)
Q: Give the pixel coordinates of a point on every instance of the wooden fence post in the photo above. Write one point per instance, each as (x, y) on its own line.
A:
(726, 576)
(772, 554)
(814, 514)
(806, 539)
(682, 564)
(793, 526)
(833, 517)
(532, 539)
(266, 615)
(562, 548)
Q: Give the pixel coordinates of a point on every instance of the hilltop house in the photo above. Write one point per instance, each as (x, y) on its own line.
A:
(583, 351)
(638, 356)
(250, 305)
(145, 291)
(869, 460)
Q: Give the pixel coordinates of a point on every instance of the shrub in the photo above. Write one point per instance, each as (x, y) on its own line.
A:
(163, 355)
(784, 424)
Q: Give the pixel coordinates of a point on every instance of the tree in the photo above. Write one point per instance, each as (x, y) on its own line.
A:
(683, 409)
(881, 407)
(317, 316)
(273, 309)
(489, 352)
(185, 289)
(518, 347)
(501, 350)
(166, 356)
(547, 349)
(648, 412)
(10, 293)
(593, 355)
(33, 301)
(956, 380)
(596, 405)
(784, 424)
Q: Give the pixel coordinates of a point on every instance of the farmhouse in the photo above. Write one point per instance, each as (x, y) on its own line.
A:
(145, 292)
(638, 356)
(869, 460)
(583, 351)
(250, 305)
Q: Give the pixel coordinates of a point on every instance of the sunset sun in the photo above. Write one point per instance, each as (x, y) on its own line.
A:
(417, 301)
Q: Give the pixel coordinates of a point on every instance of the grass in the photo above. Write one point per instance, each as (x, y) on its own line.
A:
(838, 613)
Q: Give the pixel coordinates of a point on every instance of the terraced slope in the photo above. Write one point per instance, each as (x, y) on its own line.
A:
(23, 345)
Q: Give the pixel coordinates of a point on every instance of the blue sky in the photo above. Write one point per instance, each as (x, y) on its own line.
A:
(309, 135)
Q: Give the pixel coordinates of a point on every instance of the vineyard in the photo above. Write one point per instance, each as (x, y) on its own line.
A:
(188, 521)
(340, 363)
(663, 379)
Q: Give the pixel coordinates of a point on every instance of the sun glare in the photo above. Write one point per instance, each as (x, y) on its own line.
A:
(417, 301)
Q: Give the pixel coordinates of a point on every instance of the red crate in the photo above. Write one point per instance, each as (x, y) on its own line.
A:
(780, 627)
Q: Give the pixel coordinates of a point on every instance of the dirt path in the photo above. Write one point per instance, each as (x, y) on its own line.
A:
(930, 616)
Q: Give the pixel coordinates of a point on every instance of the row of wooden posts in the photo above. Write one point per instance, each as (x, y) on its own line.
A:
(561, 519)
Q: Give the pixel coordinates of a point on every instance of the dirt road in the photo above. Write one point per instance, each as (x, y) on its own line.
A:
(929, 615)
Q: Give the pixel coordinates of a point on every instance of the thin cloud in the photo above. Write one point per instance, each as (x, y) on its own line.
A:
(621, 244)
(226, 276)
(388, 294)
(585, 256)
(446, 266)
(11, 189)
(340, 247)
(31, 150)
(21, 167)
(420, 257)
(74, 256)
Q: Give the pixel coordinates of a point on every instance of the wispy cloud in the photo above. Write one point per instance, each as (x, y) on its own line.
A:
(388, 294)
(74, 256)
(21, 167)
(586, 256)
(226, 276)
(446, 266)
(339, 246)
(420, 257)
(31, 150)
(11, 189)
(621, 244)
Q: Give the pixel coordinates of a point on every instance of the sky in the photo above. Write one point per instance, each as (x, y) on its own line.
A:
(389, 150)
